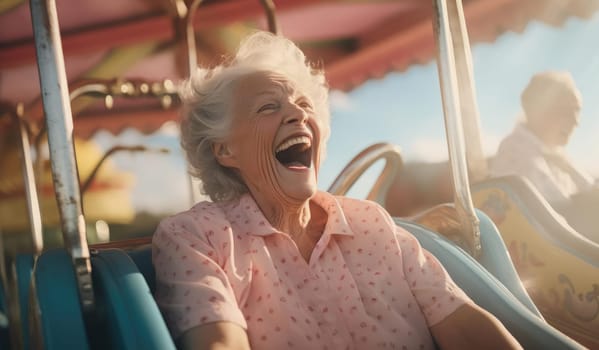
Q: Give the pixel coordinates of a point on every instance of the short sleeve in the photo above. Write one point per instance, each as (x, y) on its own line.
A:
(192, 288)
(436, 293)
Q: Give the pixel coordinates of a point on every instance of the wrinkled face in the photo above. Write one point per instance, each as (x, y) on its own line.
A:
(275, 138)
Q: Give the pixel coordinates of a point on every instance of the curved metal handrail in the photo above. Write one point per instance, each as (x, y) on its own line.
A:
(361, 162)
(110, 152)
(164, 90)
(450, 93)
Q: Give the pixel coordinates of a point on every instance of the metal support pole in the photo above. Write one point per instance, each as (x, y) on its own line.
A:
(453, 126)
(33, 206)
(59, 123)
(475, 158)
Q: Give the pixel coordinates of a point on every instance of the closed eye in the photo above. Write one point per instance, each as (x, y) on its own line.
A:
(268, 107)
(304, 104)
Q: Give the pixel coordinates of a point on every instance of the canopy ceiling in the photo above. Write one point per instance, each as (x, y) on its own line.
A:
(355, 40)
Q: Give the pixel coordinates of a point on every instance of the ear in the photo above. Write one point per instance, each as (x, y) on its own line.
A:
(223, 155)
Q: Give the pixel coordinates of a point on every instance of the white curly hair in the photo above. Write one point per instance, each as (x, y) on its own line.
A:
(207, 95)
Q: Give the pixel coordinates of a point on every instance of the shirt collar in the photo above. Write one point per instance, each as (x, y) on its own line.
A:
(246, 213)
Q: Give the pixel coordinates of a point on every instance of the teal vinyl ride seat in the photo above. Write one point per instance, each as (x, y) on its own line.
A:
(129, 317)
(125, 317)
(4, 326)
(514, 310)
(495, 258)
(24, 270)
(56, 293)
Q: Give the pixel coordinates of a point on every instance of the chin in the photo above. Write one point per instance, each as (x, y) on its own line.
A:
(303, 193)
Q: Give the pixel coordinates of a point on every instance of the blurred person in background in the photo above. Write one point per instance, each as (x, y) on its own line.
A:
(535, 149)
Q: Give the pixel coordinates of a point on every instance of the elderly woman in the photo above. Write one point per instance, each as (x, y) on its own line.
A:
(273, 263)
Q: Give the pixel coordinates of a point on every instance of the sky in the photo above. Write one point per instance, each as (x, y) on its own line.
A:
(405, 109)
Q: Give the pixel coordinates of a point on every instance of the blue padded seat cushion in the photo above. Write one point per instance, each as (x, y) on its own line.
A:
(486, 291)
(142, 257)
(24, 268)
(57, 295)
(132, 317)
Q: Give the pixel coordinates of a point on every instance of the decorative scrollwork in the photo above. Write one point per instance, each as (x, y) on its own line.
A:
(165, 91)
(496, 207)
(582, 306)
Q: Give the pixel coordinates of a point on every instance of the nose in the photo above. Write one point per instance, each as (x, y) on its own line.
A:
(295, 114)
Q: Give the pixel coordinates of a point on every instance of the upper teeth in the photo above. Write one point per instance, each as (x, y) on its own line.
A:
(293, 141)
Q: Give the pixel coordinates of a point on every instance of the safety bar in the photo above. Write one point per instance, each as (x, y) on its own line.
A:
(362, 162)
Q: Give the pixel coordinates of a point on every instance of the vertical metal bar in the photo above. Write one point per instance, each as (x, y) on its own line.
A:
(59, 123)
(190, 37)
(475, 158)
(271, 18)
(33, 206)
(192, 65)
(453, 126)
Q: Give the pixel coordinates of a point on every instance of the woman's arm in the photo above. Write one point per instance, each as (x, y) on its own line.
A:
(215, 336)
(471, 327)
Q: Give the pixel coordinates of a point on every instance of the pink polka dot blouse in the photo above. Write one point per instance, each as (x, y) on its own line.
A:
(368, 283)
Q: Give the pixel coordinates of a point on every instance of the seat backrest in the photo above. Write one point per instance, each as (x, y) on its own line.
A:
(530, 330)
(23, 268)
(142, 257)
(496, 259)
(4, 330)
(560, 266)
(56, 294)
(131, 317)
(125, 317)
(530, 204)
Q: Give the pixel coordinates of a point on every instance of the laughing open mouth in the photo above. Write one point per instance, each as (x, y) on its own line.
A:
(295, 152)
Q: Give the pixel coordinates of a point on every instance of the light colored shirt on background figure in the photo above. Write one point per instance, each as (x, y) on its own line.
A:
(549, 169)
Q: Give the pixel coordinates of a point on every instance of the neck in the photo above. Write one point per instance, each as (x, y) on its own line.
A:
(284, 214)
(536, 129)
(304, 222)
(300, 219)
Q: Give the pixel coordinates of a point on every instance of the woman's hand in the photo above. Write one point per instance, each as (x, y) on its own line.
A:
(471, 327)
(215, 336)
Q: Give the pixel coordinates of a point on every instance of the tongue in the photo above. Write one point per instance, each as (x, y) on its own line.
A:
(295, 165)
(294, 157)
